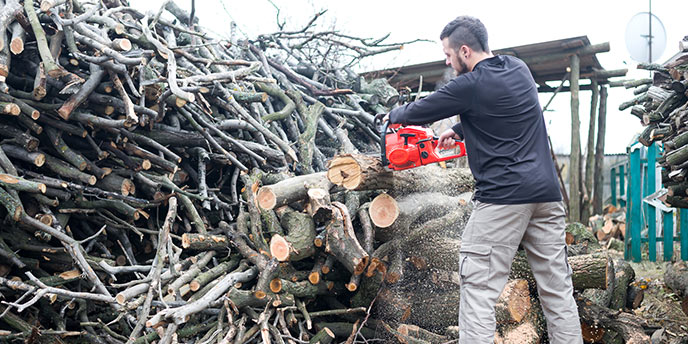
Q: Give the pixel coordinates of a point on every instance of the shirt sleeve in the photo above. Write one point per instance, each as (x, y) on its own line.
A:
(458, 129)
(454, 98)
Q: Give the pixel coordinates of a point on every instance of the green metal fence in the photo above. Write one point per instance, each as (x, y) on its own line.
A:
(645, 213)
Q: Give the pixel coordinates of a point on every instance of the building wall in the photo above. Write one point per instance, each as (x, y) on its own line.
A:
(610, 160)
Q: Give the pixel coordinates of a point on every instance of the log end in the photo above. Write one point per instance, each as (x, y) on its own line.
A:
(259, 294)
(266, 198)
(128, 187)
(146, 164)
(570, 239)
(92, 180)
(186, 241)
(314, 277)
(344, 171)
(352, 287)
(194, 285)
(276, 285)
(11, 109)
(383, 210)
(64, 111)
(120, 298)
(592, 334)
(519, 300)
(17, 46)
(279, 248)
(361, 265)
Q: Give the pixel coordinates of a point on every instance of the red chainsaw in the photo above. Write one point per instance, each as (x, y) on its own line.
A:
(404, 147)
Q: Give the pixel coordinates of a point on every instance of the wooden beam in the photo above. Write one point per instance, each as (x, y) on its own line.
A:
(586, 50)
(598, 179)
(590, 153)
(574, 166)
(606, 74)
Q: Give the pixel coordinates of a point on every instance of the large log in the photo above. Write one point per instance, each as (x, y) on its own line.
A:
(361, 172)
(298, 243)
(589, 270)
(398, 217)
(290, 190)
(676, 278)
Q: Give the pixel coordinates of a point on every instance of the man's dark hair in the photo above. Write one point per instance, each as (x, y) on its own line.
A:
(466, 30)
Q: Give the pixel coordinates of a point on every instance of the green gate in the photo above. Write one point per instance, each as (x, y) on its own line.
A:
(639, 190)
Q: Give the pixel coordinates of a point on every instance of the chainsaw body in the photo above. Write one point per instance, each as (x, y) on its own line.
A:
(405, 147)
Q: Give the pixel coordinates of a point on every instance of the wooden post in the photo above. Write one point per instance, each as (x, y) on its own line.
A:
(574, 168)
(598, 180)
(590, 152)
(651, 210)
(612, 185)
(668, 235)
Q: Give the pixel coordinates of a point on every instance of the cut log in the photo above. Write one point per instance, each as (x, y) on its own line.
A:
(589, 270)
(676, 278)
(623, 276)
(361, 172)
(319, 205)
(514, 302)
(290, 190)
(398, 217)
(629, 326)
(204, 242)
(342, 243)
(531, 329)
(298, 243)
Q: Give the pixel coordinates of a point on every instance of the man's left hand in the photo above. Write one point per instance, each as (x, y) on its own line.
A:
(382, 117)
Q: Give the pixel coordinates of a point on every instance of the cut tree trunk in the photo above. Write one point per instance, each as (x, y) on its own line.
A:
(341, 241)
(298, 243)
(290, 190)
(398, 217)
(589, 270)
(361, 172)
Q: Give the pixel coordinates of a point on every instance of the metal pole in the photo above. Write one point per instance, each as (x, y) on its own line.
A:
(649, 33)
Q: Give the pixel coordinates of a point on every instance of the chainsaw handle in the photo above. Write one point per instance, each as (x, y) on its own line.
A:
(383, 143)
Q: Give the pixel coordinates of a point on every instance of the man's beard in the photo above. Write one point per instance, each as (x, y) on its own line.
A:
(462, 65)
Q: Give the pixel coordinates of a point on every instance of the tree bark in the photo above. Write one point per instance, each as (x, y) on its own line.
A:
(360, 172)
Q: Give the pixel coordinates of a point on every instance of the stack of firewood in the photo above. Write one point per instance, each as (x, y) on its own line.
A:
(610, 227)
(133, 147)
(661, 104)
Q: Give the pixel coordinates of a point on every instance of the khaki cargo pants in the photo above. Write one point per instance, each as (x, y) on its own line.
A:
(489, 244)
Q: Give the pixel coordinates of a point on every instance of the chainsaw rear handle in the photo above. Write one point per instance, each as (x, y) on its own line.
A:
(383, 143)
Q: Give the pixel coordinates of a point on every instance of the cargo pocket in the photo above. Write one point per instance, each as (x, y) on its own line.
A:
(475, 265)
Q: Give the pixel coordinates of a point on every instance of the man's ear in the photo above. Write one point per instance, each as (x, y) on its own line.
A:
(465, 51)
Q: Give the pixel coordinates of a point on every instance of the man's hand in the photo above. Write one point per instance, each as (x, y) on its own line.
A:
(447, 138)
(382, 117)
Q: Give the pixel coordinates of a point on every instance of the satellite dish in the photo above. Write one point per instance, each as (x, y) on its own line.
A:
(645, 37)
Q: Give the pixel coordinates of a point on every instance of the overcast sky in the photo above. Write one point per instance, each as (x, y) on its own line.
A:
(509, 23)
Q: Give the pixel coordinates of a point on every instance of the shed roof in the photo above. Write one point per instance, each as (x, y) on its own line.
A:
(548, 61)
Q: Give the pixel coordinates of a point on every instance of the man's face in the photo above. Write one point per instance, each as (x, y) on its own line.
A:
(453, 58)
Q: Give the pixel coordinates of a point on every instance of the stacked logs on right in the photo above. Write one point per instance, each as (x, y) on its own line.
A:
(661, 104)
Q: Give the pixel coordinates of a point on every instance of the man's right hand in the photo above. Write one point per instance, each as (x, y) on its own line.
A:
(447, 138)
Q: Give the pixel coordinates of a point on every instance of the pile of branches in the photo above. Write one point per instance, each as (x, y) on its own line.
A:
(133, 147)
(661, 104)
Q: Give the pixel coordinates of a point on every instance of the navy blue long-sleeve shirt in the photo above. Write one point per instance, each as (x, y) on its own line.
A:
(503, 129)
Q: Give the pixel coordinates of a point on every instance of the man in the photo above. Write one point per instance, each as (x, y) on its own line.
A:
(517, 197)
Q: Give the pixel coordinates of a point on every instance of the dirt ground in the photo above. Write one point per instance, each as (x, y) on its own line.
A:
(660, 307)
